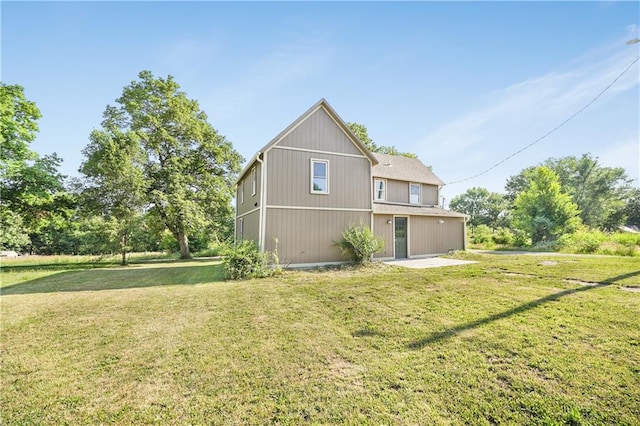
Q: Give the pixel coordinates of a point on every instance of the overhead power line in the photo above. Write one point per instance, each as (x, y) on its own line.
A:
(552, 130)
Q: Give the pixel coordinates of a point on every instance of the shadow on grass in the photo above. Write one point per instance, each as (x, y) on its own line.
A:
(116, 279)
(61, 266)
(435, 337)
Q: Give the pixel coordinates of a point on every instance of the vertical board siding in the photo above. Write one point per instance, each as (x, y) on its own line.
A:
(308, 236)
(319, 132)
(250, 201)
(397, 191)
(428, 236)
(429, 195)
(383, 230)
(289, 180)
(251, 227)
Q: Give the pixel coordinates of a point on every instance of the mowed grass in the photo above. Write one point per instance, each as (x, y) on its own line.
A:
(507, 340)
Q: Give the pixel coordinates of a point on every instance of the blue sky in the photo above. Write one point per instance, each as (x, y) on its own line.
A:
(462, 84)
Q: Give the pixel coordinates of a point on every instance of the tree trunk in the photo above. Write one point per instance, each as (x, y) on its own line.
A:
(123, 244)
(184, 245)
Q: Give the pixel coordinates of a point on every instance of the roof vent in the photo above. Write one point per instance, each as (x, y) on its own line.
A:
(388, 164)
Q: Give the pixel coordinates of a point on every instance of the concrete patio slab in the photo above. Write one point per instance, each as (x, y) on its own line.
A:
(430, 262)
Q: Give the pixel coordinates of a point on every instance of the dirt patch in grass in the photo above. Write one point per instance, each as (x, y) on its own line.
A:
(518, 274)
(347, 373)
(630, 288)
(580, 282)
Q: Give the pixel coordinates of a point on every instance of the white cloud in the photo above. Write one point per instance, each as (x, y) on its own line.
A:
(509, 119)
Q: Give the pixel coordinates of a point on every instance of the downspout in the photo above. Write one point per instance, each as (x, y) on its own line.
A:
(235, 223)
(261, 218)
(464, 234)
(372, 191)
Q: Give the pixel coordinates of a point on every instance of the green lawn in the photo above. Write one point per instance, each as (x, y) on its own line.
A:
(509, 340)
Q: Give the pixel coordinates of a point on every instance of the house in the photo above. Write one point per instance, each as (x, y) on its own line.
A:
(316, 178)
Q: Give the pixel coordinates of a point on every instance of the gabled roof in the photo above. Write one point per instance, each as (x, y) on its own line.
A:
(322, 103)
(402, 168)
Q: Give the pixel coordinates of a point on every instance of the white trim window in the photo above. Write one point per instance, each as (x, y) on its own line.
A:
(254, 180)
(379, 189)
(241, 192)
(319, 176)
(414, 193)
(241, 228)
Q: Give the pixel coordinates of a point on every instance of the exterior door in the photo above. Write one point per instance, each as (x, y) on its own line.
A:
(400, 237)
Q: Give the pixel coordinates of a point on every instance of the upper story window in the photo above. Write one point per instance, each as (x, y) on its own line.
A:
(319, 176)
(254, 180)
(241, 192)
(379, 189)
(414, 193)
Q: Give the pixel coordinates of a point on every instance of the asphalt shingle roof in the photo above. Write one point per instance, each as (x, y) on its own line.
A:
(403, 168)
(380, 208)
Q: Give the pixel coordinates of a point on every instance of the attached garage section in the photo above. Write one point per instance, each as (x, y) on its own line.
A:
(423, 231)
(308, 236)
(435, 235)
(383, 228)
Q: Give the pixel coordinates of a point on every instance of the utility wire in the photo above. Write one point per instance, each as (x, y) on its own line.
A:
(552, 130)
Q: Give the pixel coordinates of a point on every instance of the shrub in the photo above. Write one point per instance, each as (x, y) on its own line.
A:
(520, 238)
(626, 251)
(245, 260)
(582, 240)
(481, 234)
(588, 242)
(620, 244)
(359, 244)
(502, 236)
(626, 239)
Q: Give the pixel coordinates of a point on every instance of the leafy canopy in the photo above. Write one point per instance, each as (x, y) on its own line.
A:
(598, 191)
(19, 124)
(484, 207)
(542, 210)
(182, 165)
(32, 189)
(361, 132)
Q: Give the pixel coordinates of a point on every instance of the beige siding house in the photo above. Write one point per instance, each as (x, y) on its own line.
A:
(313, 180)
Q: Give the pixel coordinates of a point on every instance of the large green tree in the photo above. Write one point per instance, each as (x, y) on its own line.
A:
(33, 192)
(363, 134)
(598, 191)
(542, 210)
(114, 185)
(187, 167)
(483, 207)
(19, 118)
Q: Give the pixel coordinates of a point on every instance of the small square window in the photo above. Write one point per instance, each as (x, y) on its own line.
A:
(414, 193)
(379, 190)
(319, 176)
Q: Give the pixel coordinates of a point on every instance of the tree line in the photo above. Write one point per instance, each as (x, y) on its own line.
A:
(555, 198)
(156, 175)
